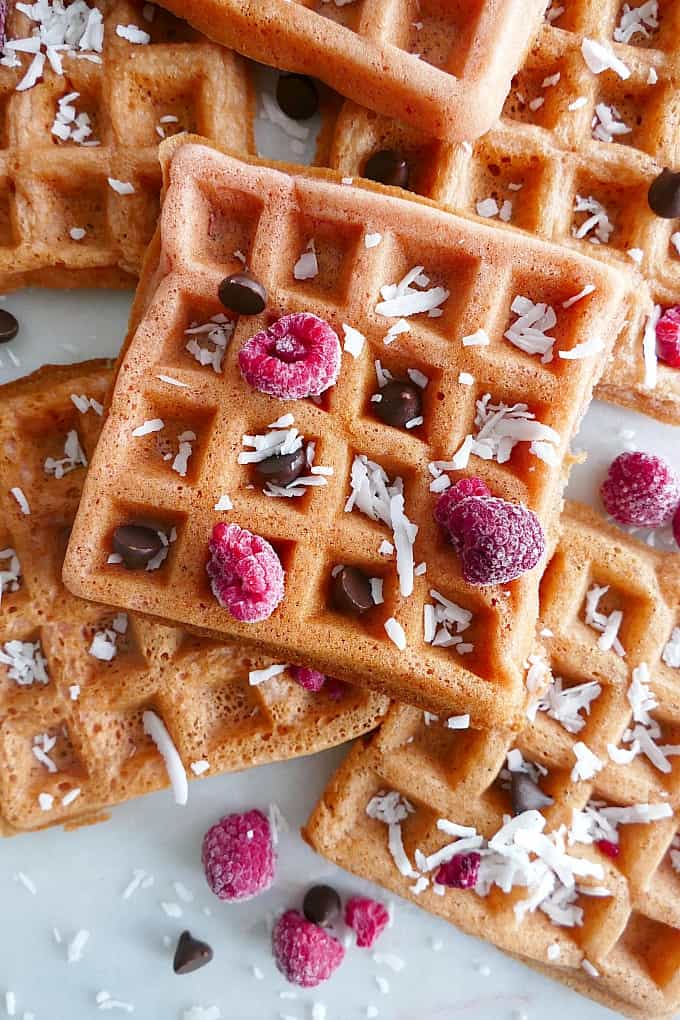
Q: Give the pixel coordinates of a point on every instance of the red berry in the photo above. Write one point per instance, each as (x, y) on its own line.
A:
(676, 526)
(304, 953)
(668, 337)
(238, 856)
(298, 356)
(461, 872)
(451, 497)
(609, 849)
(641, 489)
(310, 679)
(367, 918)
(497, 541)
(246, 573)
(335, 689)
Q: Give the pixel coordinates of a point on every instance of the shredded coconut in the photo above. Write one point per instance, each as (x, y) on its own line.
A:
(607, 124)
(649, 348)
(642, 19)
(71, 126)
(10, 572)
(21, 500)
(208, 341)
(133, 34)
(566, 704)
(600, 58)
(607, 625)
(597, 227)
(260, 676)
(671, 652)
(528, 332)
(354, 340)
(403, 299)
(444, 622)
(280, 441)
(73, 458)
(155, 728)
(121, 187)
(25, 661)
(307, 267)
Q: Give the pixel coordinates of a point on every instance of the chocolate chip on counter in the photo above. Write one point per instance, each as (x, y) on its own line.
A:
(136, 544)
(191, 954)
(297, 95)
(282, 468)
(526, 795)
(9, 327)
(664, 195)
(321, 904)
(352, 591)
(387, 166)
(243, 294)
(401, 402)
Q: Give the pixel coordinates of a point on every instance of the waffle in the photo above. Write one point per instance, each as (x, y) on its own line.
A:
(444, 65)
(269, 216)
(198, 687)
(50, 187)
(550, 151)
(632, 938)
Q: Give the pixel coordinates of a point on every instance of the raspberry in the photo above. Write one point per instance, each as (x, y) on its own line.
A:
(367, 918)
(238, 856)
(668, 337)
(605, 846)
(452, 497)
(304, 953)
(676, 526)
(298, 356)
(310, 679)
(335, 689)
(497, 541)
(461, 872)
(640, 489)
(246, 573)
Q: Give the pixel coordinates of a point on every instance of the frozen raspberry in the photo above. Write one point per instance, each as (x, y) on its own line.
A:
(367, 918)
(304, 953)
(668, 337)
(676, 526)
(246, 573)
(640, 489)
(497, 541)
(461, 872)
(605, 846)
(452, 497)
(298, 356)
(335, 689)
(238, 856)
(310, 679)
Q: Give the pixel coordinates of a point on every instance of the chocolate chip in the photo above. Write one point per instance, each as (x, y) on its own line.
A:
(321, 904)
(9, 327)
(401, 402)
(191, 954)
(243, 294)
(526, 795)
(136, 544)
(352, 591)
(387, 167)
(297, 96)
(664, 195)
(283, 468)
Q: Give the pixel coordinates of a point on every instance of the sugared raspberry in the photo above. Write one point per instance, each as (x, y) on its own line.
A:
(641, 489)
(452, 497)
(461, 872)
(246, 573)
(668, 337)
(304, 953)
(238, 856)
(608, 848)
(298, 356)
(676, 526)
(497, 541)
(310, 679)
(367, 918)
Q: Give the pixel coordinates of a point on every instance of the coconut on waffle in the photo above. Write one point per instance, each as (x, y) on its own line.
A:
(76, 678)
(79, 173)
(622, 947)
(571, 159)
(445, 66)
(363, 239)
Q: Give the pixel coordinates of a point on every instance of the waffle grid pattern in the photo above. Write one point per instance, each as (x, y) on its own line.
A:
(633, 937)
(198, 687)
(49, 186)
(216, 205)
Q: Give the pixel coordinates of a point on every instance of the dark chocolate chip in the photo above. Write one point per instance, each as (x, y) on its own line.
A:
(297, 96)
(136, 544)
(664, 195)
(401, 402)
(283, 468)
(9, 327)
(387, 167)
(352, 591)
(191, 954)
(526, 795)
(321, 904)
(243, 294)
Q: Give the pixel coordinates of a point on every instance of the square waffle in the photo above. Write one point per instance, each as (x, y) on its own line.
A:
(543, 153)
(62, 224)
(443, 64)
(630, 939)
(86, 720)
(216, 205)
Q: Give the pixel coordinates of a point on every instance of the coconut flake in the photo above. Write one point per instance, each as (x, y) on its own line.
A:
(149, 426)
(307, 267)
(76, 947)
(21, 500)
(596, 227)
(403, 299)
(607, 125)
(634, 20)
(25, 661)
(133, 34)
(224, 503)
(528, 332)
(565, 705)
(208, 341)
(121, 187)
(600, 57)
(587, 763)
(480, 338)
(607, 625)
(10, 572)
(155, 728)
(354, 340)
(444, 622)
(671, 651)
(395, 633)
(649, 348)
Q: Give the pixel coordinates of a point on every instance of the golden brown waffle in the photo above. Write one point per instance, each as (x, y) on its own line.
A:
(199, 688)
(549, 150)
(269, 215)
(632, 938)
(443, 64)
(48, 186)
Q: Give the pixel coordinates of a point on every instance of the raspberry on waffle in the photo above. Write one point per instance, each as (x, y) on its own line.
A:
(77, 678)
(79, 173)
(571, 159)
(606, 919)
(445, 66)
(359, 240)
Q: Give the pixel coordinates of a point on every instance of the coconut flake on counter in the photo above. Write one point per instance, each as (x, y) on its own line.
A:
(155, 728)
(215, 334)
(74, 457)
(403, 299)
(607, 625)
(444, 622)
(600, 57)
